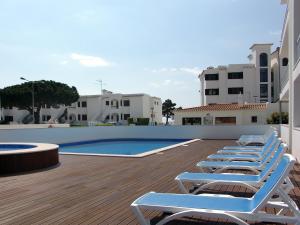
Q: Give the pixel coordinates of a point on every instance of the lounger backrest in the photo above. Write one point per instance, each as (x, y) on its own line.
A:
(269, 132)
(272, 149)
(270, 141)
(273, 182)
(273, 162)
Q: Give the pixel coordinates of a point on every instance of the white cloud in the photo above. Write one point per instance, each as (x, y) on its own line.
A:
(168, 83)
(90, 61)
(189, 70)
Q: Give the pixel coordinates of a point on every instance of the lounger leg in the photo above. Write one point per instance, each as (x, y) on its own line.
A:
(139, 215)
(182, 187)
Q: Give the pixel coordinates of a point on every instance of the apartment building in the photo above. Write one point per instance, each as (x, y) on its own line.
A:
(289, 67)
(252, 82)
(109, 107)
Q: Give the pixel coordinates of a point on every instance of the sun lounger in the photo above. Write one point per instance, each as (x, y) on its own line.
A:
(246, 155)
(255, 139)
(238, 210)
(206, 180)
(218, 166)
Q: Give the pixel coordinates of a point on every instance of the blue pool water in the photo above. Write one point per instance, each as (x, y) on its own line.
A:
(12, 147)
(118, 147)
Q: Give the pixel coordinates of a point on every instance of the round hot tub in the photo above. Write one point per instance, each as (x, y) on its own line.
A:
(22, 157)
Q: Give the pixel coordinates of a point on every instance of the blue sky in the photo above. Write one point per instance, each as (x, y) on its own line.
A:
(134, 46)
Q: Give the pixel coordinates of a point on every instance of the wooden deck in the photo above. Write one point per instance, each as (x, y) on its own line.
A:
(99, 190)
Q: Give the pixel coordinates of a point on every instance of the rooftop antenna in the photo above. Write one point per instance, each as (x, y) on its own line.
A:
(101, 85)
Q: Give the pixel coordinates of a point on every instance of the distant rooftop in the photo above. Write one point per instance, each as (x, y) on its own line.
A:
(226, 107)
(260, 44)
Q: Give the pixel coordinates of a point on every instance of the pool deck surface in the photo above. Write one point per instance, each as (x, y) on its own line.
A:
(99, 190)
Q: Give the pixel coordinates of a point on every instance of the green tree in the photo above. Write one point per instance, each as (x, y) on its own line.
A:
(275, 118)
(48, 93)
(167, 109)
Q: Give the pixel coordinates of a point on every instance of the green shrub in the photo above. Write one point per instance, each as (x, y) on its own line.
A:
(142, 121)
(275, 118)
(130, 121)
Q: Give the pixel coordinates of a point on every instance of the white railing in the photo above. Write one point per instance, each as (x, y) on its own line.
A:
(284, 78)
(297, 53)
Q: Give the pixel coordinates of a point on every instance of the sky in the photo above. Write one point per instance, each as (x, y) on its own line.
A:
(156, 47)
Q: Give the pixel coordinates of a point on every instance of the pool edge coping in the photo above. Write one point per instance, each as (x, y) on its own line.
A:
(141, 155)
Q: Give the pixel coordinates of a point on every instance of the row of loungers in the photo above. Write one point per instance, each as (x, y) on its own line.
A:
(270, 183)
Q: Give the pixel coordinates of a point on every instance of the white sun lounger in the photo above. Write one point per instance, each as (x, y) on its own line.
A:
(246, 155)
(235, 209)
(235, 149)
(255, 139)
(218, 166)
(206, 180)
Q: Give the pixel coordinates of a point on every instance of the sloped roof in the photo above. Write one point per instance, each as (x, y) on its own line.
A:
(226, 107)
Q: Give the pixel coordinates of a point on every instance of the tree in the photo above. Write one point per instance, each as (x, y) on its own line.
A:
(48, 93)
(167, 109)
(275, 118)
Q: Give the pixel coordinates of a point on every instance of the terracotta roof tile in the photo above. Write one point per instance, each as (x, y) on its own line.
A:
(226, 107)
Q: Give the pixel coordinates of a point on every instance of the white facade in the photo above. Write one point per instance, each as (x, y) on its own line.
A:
(228, 114)
(290, 81)
(235, 83)
(106, 108)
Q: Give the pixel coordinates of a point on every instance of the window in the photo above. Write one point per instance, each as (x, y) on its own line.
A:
(211, 91)
(214, 76)
(235, 91)
(126, 103)
(272, 76)
(121, 116)
(254, 119)
(285, 62)
(264, 75)
(126, 116)
(235, 75)
(83, 104)
(263, 60)
(84, 117)
(191, 121)
(264, 90)
(48, 117)
(121, 103)
(106, 102)
(79, 117)
(78, 104)
(9, 118)
(225, 120)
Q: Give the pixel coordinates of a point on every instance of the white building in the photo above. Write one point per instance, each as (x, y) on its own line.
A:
(106, 108)
(250, 82)
(289, 62)
(228, 114)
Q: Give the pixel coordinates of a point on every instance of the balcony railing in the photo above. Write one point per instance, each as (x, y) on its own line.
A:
(284, 78)
(297, 53)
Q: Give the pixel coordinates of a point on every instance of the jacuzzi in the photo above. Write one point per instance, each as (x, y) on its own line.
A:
(23, 157)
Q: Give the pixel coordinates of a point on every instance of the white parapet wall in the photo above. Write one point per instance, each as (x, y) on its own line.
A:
(66, 135)
(284, 130)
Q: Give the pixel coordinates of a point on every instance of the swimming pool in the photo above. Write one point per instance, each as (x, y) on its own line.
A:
(122, 147)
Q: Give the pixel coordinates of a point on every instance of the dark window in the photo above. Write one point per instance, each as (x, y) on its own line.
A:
(43, 118)
(225, 120)
(83, 104)
(79, 117)
(235, 75)
(272, 76)
(214, 76)
(126, 116)
(191, 121)
(107, 103)
(9, 118)
(84, 117)
(107, 117)
(121, 116)
(272, 92)
(78, 104)
(126, 103)
(235, 91)
(121, 103)
(254, 119)
(264, 75)
(285, 62)
(263, 60)
(211, 91)
(264, 90)
(48, 117)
